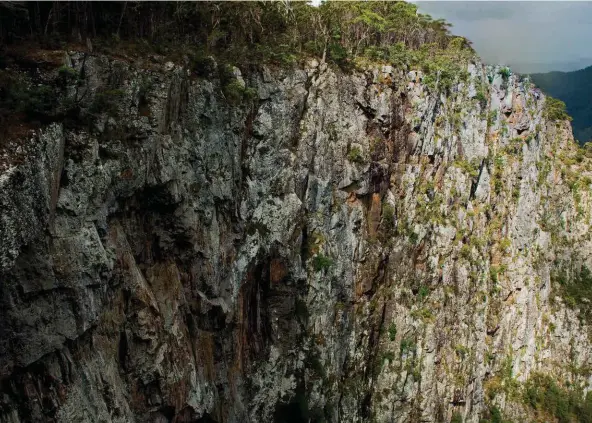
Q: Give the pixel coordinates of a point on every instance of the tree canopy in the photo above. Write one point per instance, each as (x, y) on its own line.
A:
(281, 30)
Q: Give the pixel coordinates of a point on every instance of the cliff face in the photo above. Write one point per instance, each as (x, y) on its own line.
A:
(319, 246)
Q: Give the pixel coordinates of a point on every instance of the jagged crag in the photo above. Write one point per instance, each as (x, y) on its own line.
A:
(291, 244)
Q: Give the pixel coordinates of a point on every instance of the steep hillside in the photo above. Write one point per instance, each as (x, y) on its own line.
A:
(325, 240)
(575, 89)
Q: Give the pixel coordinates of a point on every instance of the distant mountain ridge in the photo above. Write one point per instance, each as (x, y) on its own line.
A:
(544, 67)
(575, 89)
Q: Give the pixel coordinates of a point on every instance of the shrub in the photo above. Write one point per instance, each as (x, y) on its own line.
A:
(505, 244)
(67, 74)
(422, 293)
(505, 73)
(392, 331)
(407, 345)
(542, 393)
(466, 166)
(495, 271)
(575, 286)
(202, 65)
(235, 92)
(494, 415)
(355, 155)
(107, 101)
(465, 251)
(554, 109)
(461, 351)
(481, 98)
(456, 418)
(388, 218)
(321, 262)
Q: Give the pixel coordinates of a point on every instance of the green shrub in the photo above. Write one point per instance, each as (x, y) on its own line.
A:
(456, 418)
(321, 262)
(554, 109)
(471, 168)
(67, 74)
(505, 73)
(407, 345)
(496, 271)
(491, 117)
(388, 356)
(465, 252)
(461, 351)
(542, 393)
(235, 92)
(505, 244)
(392, 331)
(575, 286)
(481, 98)
(202, 64)
(355, 155)
(494, 415)
(107, 101)
(423, 292)
(388, 218)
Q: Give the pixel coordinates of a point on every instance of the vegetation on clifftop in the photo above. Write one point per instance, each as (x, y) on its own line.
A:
(253, 30)
(345, 34)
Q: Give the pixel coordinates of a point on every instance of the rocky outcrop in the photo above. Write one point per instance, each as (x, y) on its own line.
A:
(332, 247)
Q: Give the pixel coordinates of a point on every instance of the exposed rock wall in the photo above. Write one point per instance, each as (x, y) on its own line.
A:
(342, 248)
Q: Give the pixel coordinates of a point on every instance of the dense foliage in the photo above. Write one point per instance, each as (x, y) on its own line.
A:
(555, 109)
(563, 405)
(576, 288)
(575, 89)
(251, 31)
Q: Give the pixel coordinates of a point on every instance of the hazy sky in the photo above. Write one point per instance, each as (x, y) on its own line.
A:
(530, 36)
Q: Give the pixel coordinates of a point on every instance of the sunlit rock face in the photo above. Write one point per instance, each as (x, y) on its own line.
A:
(319, 247)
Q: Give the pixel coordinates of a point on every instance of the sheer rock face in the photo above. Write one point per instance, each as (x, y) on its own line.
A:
(342, 248)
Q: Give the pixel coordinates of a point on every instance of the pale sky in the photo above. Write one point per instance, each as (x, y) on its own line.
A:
(530, 36)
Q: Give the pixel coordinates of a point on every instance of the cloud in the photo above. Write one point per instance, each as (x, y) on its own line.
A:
(530, 36)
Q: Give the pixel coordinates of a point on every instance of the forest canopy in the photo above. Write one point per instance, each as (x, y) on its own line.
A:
(282, 31)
